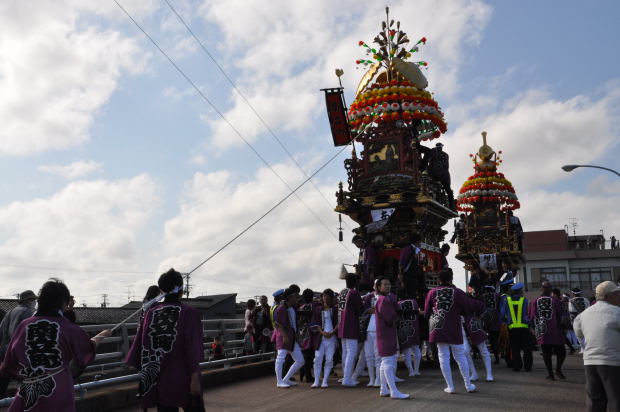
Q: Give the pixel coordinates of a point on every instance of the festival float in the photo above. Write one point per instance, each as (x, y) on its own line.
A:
(487, 233)
(397, 185)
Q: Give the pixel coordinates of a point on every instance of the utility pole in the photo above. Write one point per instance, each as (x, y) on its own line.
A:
(129, 293)
(573, 224)
(104, 303)
(188, 286)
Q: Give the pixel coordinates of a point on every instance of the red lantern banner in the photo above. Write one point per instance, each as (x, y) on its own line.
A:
(336, 112)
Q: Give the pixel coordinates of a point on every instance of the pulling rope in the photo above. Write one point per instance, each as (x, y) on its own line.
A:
(146, 306)
(225, 245)
(247, 101)
(225, 119)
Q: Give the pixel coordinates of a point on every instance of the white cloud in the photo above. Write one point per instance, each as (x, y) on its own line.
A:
(178, 41)
(56, 73)
(286, 51)
(288, 246)
(603, 185)
(537, 134)
(74, 170)
(546, 210)
(90, 225)
(175, 94)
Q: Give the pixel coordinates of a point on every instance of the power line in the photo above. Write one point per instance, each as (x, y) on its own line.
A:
(62, 269)
(223, 117)
(270, 210)
(247, 101)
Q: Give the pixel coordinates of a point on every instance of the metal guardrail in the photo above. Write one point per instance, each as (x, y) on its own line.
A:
(224, 327)
(231, 347)
(82, 388)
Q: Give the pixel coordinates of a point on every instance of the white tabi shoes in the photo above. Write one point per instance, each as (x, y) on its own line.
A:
(400, 395)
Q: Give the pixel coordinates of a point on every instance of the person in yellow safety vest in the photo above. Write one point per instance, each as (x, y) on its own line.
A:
(514, 314)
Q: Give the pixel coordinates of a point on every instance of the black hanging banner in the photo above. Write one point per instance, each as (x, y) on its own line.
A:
(336, 112)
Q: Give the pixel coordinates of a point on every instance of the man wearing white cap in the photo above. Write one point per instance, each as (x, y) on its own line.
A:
(599, 327)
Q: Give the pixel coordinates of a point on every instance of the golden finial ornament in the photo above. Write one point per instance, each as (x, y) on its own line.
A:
(486, 157)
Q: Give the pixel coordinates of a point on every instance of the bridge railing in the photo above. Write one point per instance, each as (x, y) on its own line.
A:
(229, 329)
(82, 388)
(107, 359)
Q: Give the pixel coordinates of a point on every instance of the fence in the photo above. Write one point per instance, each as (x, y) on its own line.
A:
(227, 328)
(109, 360)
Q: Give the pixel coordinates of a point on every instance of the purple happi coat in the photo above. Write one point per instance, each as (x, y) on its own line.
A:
(281, 316)
(474, 329)
(387, 315)
(367, 300)
(546, 313)
(39, 353)
(491, 319)
(350, 308)
(408, 323)
(305, 317)
(317, 321)
(444, 307)
(167, 351)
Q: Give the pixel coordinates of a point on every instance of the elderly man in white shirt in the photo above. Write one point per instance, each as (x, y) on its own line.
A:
(599, 327)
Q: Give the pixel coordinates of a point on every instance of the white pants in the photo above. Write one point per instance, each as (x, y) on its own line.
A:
(298, 359)
(349, 353)
(486, 358)
(458, 351)
(361, 363)
(325, 351)
(370, 350)
(388, 374)
(373, 360)
(417, 357)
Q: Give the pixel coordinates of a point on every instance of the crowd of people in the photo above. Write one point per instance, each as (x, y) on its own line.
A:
(366, 330)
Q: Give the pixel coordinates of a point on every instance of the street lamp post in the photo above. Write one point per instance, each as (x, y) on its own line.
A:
(570, 168)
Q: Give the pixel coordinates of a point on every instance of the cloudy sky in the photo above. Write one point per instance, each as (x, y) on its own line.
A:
(114, 168)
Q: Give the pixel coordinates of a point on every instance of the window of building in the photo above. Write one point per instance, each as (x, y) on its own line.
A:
(588, 278)
(555, 276)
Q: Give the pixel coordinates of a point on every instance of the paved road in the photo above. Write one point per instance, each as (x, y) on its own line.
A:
(511, 391)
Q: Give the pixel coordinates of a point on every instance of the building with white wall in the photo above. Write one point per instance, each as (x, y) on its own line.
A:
(567, 261)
